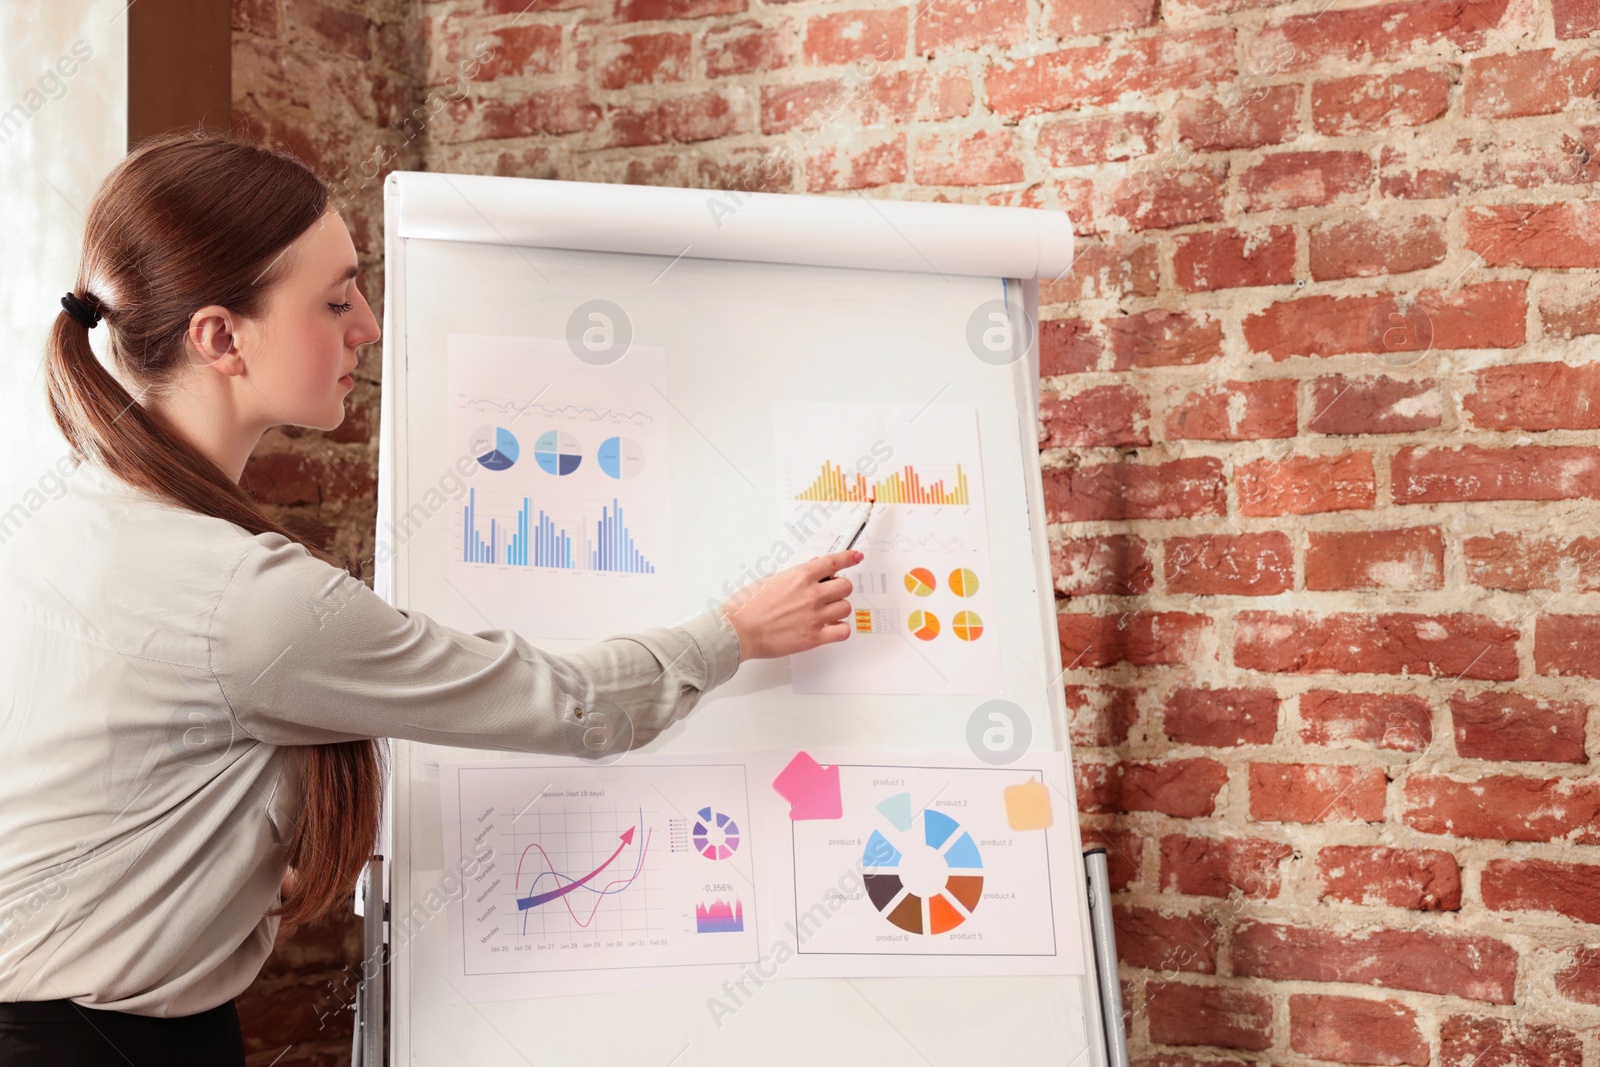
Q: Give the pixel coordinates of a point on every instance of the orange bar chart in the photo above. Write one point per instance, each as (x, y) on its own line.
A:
(902, 487)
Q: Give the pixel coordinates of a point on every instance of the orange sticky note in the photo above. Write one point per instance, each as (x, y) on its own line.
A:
(1028, 806)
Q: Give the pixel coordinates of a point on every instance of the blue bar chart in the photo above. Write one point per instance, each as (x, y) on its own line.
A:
(530, 541)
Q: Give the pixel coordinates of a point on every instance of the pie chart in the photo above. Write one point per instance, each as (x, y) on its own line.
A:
(924, 625)
(967, 626)
(621, 457)
(495, 447)
(557, 452)
(924, 873)
(963, 582)
(716, 836)
(920, 581)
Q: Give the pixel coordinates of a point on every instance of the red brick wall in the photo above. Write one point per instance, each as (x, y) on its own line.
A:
(1318, 427)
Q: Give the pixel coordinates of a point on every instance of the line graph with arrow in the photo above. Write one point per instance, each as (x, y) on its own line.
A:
(565, 884)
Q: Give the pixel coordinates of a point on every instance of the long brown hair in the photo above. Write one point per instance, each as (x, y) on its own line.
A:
(183, 221)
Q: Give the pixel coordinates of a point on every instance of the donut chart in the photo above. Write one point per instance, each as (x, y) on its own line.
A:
(926, 880)
(716, 836)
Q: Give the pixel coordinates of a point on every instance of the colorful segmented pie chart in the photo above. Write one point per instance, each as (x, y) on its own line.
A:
(557, 452)
(924, 625)
(967, 626)
(716, 836)
(920, 581)
(922, 869)
(621, 457)
(963, 582)
(495, 447)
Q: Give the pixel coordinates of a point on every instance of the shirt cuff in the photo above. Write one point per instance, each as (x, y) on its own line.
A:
(718, 642)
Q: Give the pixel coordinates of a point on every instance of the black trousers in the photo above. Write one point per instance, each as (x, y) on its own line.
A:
(59, 1033)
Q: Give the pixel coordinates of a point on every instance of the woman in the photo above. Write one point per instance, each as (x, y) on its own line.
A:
(193, 696)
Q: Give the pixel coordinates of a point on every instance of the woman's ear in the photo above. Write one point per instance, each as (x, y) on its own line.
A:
(213, 340)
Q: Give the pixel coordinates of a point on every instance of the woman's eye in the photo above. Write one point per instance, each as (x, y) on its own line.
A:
(340, 309)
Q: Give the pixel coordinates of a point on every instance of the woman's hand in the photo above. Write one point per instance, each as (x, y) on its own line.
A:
(795, 609)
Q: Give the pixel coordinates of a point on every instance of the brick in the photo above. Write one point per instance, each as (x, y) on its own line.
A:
(1529, 82)
(891, 98)
(1305, 179)
(1229, 564)
(1109, 491)
(1425, 475)
(1305, 485)
(646, 10)
(699, 116)
(1124, 851)
(1569, 311)
(1513, 726)
(1155, 338)
(1565, 644)
(1159, 941)
(1107, 269)
(1316, 792)
(847, 36)
(1424, 960)
(545, 112)
(1403, 560)
(284, 479)
(1366, 102)
(1355, 1030)
(1377, 32)
(1080, 18)
(1580, 979)
(1235, 411)
(1234, 258)
(1079, 142)
(1100, 716)
(1575, 18)
(1466, 1041)
(1184, 788)
(988, 157)
(1103, 74)
(950, 25)
(1269, 115)
(1103, 416)
(512, 51)
(1359, 404)
(1183, 1014)
(1570, 889)
(1143, 638)
(1487, 315)
(1162, 198)
(1366, 247)
(1109, 565)
(1459, 646)
(857, 166)
(1495, 157)
(1505, 808)
(1536, 396)
(642, 59)
(1523, 561)
(1215, 867)
(746, 47)
(1415, 878)
(1393, 721)
(1221, 717)
(1559, 236)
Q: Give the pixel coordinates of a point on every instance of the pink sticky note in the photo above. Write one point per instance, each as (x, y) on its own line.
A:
(811, 789)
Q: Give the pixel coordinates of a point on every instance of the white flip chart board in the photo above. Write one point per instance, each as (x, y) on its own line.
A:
(754, 299)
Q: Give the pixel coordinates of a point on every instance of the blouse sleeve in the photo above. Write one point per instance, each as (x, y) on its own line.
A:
(305, 653)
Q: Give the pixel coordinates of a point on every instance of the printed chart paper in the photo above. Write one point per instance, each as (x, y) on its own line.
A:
(565, 528)
(923, 617)
(684, 870)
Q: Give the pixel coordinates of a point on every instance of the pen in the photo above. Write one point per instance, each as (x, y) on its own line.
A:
(848, 540)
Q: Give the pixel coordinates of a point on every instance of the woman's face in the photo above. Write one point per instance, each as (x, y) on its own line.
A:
(314, 320)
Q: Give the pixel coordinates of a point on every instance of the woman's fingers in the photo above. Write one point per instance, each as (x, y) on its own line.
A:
(823, 566)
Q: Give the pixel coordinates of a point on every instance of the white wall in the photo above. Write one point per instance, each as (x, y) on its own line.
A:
(63, 125)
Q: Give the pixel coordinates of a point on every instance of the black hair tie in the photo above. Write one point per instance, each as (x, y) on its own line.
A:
(86, 311)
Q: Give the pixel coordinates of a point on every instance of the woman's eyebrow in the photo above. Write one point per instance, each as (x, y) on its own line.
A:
(349, 272)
